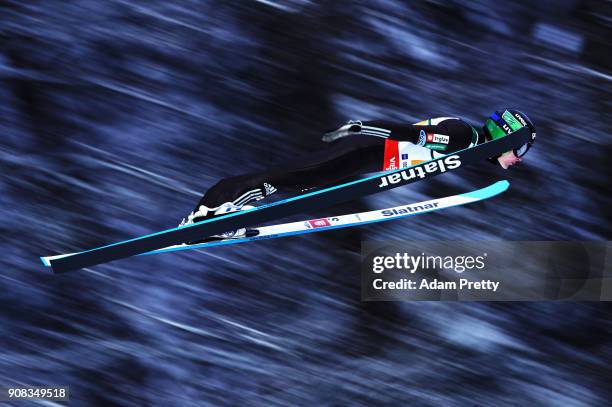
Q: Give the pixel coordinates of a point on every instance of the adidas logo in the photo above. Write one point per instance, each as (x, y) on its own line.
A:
(269, 189)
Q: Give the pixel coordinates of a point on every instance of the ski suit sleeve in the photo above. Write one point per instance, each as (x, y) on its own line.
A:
(446, 136)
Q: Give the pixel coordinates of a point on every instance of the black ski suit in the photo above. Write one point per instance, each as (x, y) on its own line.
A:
(357, 148)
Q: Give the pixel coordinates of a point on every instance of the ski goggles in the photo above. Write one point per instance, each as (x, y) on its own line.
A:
(500, 125)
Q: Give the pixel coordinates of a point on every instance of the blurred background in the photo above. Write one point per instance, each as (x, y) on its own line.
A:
(115, 116)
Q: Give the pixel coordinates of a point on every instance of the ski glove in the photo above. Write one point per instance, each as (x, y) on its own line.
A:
(351, 128)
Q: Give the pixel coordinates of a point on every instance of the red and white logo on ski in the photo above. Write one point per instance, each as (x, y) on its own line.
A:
(319, 223)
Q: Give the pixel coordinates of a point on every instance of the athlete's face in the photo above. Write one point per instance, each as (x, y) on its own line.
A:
(508, 159)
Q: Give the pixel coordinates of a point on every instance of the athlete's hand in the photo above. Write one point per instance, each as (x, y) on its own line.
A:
(349, 129)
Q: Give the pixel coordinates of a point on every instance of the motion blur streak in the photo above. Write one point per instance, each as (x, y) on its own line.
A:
(114, 116)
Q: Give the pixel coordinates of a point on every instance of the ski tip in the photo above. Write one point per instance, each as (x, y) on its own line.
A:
(503, 183)
(487, 192)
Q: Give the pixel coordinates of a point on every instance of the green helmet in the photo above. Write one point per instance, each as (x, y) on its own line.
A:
(507, 121)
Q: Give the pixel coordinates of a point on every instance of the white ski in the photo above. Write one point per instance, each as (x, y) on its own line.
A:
(350, 220)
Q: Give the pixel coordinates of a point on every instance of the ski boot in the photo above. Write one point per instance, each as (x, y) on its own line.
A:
(203, 213)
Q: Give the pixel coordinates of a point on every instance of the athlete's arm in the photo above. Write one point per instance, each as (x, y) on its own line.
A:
(445, 135)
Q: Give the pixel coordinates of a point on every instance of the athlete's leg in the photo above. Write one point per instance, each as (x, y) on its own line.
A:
(341, 159)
